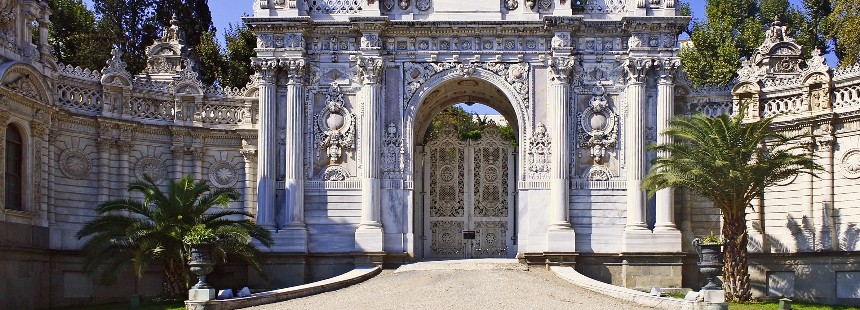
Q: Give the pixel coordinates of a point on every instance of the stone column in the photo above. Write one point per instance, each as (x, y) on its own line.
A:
(250, 158)
(199, 160)
(104, 146)
(4, 120)
(666, 234)
(560, 234)
(125, 148)
(825, 140)
(178, 160)
(369, 235)
(296, 236)
(636, 236)
(267, 140)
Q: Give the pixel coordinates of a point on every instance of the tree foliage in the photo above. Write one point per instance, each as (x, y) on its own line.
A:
(138, 233)
(730, 163)
(736, 28)
(74, 36)
(240, 44)
(468, 125)
(844, 22)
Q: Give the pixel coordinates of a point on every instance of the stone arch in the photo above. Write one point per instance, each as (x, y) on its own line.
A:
(26, 81)
(519, 105)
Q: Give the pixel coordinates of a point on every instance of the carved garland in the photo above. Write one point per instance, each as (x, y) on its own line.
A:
(599, 126)
(417, 74)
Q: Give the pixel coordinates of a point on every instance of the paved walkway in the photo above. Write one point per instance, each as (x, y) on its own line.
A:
(474, 284)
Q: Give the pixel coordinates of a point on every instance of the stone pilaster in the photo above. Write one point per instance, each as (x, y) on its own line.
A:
(369, 235)
(825, 139)
(636, 236)
(250, 159)
(560, 234)
(267, 140)
(295, 235)
(667, 237)
(104, 145)
(4, 121)
(125, 146)
(178, 152)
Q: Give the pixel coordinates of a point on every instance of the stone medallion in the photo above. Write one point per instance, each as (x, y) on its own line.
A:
(223, 174)
(152, 167)
(851, 164)
(423, 5)
(75, 164)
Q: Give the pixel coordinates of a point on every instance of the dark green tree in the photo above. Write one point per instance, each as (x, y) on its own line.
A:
(844, 24)
(127, 24)
(240, 43)
(74, 36)
(210, 58)
(194, 17)
(730, 163)
(138, 233)
(740, 25)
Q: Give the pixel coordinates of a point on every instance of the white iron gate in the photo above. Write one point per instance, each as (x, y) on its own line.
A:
(470, 187)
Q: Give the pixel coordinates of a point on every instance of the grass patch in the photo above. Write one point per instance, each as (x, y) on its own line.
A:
(795, 305)
(148, 305)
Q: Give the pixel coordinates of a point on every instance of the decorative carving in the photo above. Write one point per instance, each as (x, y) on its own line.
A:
(512, 4)
(151, 167)
(369, 70)
(21, 83)
(391, 153)
(598, 173)
(599, 125)
(370, 41)
(404, 4)
(422, 5)
(561, 68)
(637, 69)
(223, 174)
(335, 173)
(75, 164)
(335, 128)
(530, 4)
(416, 74)
(539, 154)
(335, 6)
(560, 40)
(544, 5)
(851, 164)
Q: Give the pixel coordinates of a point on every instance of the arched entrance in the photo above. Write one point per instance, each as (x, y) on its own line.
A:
(465, 184)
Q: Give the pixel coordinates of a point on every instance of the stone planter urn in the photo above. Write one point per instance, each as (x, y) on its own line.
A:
(710, 261)
(201, 264)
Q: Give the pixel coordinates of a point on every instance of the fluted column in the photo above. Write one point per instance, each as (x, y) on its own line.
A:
(369, 236)
(178, 161)
(294, 144)
(825, 140)
(634, 156)
(560, 234)
(667, 236)
(267, 140)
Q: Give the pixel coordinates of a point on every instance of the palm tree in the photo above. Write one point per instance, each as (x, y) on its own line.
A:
(135, 233)
(730, 163)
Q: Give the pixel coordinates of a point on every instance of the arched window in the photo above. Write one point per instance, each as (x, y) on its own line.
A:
(14, 169)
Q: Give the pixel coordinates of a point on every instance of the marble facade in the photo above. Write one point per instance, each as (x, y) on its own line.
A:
(327, 142)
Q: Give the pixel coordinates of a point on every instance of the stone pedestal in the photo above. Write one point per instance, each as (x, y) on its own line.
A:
(560, 239)
(369, 239)
(201, 294)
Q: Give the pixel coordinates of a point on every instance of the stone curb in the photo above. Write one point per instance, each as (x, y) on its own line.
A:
(464, 264)
(354, 276)
(642, 298)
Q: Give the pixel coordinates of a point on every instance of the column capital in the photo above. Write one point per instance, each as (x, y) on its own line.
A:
(250, 155)
(4, 116)
(267, 70)
(104, 144)
(667, 67)
(561, 68)
(637, 69)
(369, 69)
(295, 69)
(824, 137)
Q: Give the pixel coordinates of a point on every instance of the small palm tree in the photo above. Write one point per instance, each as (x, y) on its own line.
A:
(730, 163)
(135, 233)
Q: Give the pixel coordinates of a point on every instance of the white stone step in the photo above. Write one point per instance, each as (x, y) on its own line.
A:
(465, 264)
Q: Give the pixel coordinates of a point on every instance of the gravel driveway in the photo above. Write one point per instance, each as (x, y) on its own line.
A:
(460, 289)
